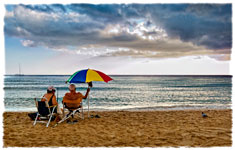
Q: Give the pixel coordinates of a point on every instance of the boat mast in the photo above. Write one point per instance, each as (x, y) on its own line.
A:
(19, 69)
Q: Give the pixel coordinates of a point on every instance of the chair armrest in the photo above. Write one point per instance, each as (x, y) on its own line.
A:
(52, 106)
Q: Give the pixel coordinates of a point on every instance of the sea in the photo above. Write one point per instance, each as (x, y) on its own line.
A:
(125, 92)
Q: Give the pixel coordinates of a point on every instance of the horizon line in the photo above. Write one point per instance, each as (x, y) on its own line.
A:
(123, 75)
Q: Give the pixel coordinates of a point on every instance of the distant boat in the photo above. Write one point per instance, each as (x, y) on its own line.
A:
(19, 74)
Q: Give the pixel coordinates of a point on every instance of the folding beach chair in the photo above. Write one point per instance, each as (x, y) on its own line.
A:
(45, 112)
(71, 111)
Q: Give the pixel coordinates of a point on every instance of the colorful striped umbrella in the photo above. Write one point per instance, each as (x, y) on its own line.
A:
(88, 75)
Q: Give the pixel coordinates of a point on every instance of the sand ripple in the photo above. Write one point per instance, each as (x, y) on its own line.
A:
(123, 128)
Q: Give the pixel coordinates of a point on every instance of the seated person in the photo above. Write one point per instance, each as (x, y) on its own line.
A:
(73, 98)
(51, 98)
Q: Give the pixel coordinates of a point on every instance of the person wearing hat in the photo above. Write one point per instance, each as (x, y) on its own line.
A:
(51, 99)
(74, 98)
(50, 96)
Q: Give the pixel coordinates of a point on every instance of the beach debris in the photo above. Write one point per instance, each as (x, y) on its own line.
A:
(95, 116)
(75, 121)
(72, 121)
(204, 115)
(33, 116)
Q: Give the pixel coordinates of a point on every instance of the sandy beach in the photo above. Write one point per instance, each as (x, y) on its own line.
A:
(124, 129)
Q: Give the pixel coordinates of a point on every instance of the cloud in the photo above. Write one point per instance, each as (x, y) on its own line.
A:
(142, 30)
(195, 21)
(28, 43)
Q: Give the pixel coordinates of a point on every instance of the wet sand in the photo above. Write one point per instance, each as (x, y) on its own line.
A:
(124, 129)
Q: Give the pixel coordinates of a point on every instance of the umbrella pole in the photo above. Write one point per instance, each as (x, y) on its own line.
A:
(88, 101)
(57, 95)
(88, 107)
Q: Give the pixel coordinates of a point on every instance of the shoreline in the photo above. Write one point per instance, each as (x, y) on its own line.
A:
(135, 110)
(174, 128)
(155, 108)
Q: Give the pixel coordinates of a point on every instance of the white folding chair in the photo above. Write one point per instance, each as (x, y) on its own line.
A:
(45, 112)
(71, 112)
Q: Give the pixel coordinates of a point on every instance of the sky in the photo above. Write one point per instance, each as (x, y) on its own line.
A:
(118, 38)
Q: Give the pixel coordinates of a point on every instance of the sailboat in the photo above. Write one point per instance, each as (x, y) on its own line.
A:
(19, 74)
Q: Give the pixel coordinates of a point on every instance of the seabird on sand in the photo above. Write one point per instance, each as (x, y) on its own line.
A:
(204, 115)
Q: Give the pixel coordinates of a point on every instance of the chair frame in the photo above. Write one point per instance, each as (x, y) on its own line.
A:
(51, 113)
(71, 113)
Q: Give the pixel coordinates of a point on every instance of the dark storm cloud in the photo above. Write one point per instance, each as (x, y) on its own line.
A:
(193, 22)
(205, 26)
(106, 12)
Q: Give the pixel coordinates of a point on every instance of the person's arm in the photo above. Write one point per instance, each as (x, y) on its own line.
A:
(43, 98)
(87, 92)
(54, 102)
(65, 97)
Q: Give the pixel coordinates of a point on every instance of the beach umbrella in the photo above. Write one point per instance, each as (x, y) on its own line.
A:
(87, 76)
